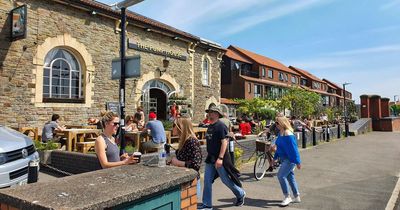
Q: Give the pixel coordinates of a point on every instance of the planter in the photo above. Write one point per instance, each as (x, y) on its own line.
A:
(45, 156)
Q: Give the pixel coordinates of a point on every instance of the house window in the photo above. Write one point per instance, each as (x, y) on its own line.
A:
(270, 73)
(249, 87)
(286, 77)
(303, 82)
(206, 72)
(263, 72)
(294, 80)
(281, 77)
(316, 85)
(257, 91)
(62, 77)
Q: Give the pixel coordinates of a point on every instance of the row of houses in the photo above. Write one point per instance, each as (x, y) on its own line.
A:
(261, 76)
(57, 57)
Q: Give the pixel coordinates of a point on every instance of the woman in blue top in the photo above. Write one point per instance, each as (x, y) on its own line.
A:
(289, 155)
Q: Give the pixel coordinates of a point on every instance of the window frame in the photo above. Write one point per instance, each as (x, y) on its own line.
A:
(49, 95)
(272, 73)
(205, 72)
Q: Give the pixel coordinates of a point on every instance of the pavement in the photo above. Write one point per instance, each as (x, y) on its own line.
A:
(355, 173)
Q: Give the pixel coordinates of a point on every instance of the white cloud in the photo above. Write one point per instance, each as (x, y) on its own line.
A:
(378, 49)
(270, 14)
(390, 5)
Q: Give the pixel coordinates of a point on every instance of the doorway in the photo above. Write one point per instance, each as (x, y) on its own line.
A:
(158, 103)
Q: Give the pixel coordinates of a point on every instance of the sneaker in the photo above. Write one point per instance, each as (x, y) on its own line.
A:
(297, 199)
(204, 207)
(286, 201)
(240, 201)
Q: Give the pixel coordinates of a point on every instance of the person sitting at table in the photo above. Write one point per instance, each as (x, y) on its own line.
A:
(107, 150)
(130, 124)
(95, 121)
(157, 133)
(51, 127)
(140, 112)
(205, 122)
(244, 127)
(137, 118)
(188, 153)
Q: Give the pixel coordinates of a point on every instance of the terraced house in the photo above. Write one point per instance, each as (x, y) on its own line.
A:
(56, 57)
(249, 75)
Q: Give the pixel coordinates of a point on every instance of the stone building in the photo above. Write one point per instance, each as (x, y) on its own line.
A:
(63, 63)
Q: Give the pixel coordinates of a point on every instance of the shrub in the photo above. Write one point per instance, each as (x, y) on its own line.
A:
(50, 145)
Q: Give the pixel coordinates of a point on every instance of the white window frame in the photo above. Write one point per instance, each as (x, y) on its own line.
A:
(271, 76)
(206, 71)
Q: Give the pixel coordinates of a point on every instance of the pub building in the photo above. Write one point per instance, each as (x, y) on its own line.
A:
(56, 56)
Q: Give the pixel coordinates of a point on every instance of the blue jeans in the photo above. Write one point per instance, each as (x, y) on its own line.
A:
(198, 188)
(209, 175)
(285, 176)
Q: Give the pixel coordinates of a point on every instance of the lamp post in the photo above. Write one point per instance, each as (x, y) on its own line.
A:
(346, 125)
(122, 6)
(394, 98)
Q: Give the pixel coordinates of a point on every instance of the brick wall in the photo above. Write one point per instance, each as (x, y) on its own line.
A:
(189, 195)
(4, 206)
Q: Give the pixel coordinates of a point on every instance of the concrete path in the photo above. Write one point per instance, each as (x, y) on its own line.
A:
(355, 173)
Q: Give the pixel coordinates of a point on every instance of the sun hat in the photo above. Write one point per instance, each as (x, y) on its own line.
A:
(215, 109)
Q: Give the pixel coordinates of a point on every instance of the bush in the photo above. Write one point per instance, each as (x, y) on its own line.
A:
(167, 124)
(50, 145)
(238, 157)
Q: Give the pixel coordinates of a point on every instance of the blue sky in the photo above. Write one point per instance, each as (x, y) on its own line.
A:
(353, 41)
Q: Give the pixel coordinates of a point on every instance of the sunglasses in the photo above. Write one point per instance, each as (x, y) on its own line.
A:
(116, 123)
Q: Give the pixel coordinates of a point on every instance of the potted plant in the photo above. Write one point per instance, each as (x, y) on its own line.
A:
(45, 149)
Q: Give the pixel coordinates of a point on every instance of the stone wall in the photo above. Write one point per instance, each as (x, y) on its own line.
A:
(92, 39)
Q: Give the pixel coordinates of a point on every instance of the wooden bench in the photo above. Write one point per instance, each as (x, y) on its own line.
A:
(84, 147)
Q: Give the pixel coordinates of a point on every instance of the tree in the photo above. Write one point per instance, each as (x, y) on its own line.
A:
(300, 102)
(257, 106)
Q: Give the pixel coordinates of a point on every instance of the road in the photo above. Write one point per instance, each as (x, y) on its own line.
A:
(354, 173)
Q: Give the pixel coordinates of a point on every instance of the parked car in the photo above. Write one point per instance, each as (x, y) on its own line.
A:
(18, 157)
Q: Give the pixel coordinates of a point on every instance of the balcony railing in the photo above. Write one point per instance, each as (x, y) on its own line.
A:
(250, 73)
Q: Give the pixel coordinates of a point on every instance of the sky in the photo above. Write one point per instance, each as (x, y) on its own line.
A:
(355, 41)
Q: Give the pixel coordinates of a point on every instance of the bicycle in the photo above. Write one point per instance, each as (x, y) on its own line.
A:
(264, 158)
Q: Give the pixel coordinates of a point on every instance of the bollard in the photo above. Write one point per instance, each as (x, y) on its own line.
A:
(33, 173)
(314, 138)
(232, 150)
(338, 131)
(323, 133)
(303, 136)
(346, 129)
(327, 133)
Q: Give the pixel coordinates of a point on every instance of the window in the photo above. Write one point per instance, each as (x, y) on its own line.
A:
(286, 77)
(62, 77)
(281, 77)
(316, 85)
(270, 73)
(257, 91)
(294, 80)
(304, 82)
(206, 72)
(249, 87)
(263, 72)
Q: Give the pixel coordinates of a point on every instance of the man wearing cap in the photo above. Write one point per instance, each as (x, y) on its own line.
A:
(217, 161)
(157, 132)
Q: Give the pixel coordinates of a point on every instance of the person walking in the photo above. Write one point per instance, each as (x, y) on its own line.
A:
(218, 161)
(289, 156)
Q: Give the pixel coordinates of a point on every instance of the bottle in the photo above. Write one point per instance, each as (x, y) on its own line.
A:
(162, 156)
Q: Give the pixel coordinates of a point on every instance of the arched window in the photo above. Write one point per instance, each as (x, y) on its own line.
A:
(206, 72)
(62, 77)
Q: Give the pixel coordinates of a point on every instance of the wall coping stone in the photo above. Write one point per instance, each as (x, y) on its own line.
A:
(98, 189)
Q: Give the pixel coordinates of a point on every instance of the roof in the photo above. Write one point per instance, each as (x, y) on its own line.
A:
(228, 101)
(136, 19)
(267, 82)
(306, 74)
(331, 83)
(233, 55)
(260, 59)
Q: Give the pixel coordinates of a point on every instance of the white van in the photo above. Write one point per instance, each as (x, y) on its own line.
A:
(17, 156)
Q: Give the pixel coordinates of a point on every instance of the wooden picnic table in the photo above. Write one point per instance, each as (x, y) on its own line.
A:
(200, 132)
(143, 136)
(27, 130)
(81, 126)
(74, 135)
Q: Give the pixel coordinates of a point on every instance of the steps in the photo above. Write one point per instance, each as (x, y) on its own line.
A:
(361, 126)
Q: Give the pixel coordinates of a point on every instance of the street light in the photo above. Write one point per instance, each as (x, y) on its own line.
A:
(346, 125)
(122, 6)
(394, 98)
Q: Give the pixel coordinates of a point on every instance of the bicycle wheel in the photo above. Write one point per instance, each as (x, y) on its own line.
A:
(260, 166)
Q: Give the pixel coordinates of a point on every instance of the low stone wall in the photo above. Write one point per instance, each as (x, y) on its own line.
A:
(144, 187)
